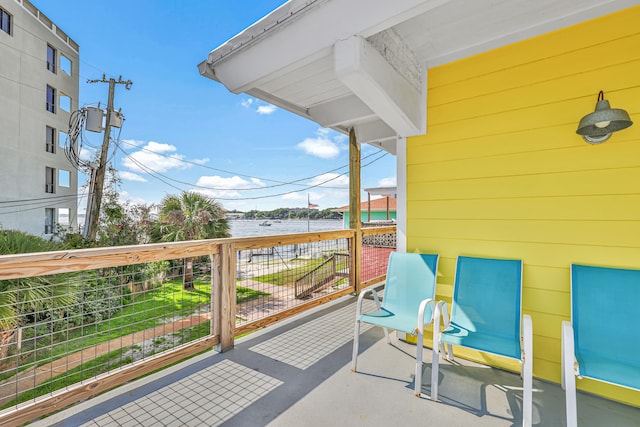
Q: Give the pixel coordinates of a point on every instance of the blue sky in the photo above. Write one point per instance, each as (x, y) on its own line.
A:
(189, 129)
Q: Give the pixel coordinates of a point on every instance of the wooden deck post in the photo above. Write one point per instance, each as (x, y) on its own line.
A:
(216, 296)
(355, 222)
(227, 308)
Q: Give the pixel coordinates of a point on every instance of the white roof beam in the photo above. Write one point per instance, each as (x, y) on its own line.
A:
(360, 67)
(377, 133)
(342, 111)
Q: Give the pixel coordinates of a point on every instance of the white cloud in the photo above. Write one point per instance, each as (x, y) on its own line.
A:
(321, 146)
(87, 154)
(130, 176)
(219, 187)
(387, 182)
(125, 197)
(158, 157)
(246, 103)
(266, 109)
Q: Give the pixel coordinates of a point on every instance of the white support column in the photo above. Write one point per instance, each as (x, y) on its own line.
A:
(401, 189)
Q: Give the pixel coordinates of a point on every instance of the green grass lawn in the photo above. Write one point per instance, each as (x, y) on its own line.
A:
(290, 275)
(145, 310)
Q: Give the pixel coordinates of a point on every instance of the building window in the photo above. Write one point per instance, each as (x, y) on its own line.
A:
(51, 140)
(65, 102)
(50, 176)
(64, 178)
(65, 64)
(51, 58)
(62, 138)
(49, 220)
(51, 99)
(64, 216)
(5, 21)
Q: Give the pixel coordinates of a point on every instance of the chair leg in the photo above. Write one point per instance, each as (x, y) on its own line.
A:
(435, 346)
(419, 350)
(568, 374)
(527, 371)
(387, 336)
(356, 343)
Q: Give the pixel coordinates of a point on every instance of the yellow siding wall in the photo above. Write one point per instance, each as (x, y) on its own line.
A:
(502, 173)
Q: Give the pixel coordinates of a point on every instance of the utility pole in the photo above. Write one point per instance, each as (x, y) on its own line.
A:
(97, 186)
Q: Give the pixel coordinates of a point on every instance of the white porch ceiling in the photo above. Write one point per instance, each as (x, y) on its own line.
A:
(364, 63)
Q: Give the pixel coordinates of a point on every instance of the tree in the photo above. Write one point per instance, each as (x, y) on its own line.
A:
(20, 298)
(122, 223)
(190, 216)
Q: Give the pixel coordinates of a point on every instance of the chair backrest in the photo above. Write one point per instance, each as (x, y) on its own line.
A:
(605, 315)
(487, 300)
(411, 278)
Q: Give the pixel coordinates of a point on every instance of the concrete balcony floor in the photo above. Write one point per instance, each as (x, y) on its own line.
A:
(297, 373)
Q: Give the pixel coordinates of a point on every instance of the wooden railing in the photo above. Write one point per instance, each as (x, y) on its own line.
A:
(330, 272)
(115, 314)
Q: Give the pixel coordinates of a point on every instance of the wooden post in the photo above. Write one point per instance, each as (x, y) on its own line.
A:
(216, 296)
(355, 222)
(388, 216)
(227, 296)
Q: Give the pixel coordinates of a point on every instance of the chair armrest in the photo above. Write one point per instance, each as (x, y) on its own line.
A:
(442, 312)
(421, 311)
(569, 371)
(361, 298)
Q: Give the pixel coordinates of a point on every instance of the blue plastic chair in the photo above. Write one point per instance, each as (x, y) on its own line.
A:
(486, 315)
(605, 309)
(407, 303)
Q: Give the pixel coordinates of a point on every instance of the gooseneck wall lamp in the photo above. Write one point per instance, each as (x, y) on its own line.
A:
(598, 126)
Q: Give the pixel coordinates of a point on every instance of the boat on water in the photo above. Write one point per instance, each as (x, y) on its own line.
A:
(265, 224)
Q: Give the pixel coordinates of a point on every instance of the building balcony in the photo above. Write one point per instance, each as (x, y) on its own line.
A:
(234, 360)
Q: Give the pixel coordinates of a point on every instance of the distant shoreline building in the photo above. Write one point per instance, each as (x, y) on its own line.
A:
(39, 88)
(376, 210)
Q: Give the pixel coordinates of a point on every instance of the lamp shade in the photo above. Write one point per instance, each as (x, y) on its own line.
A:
(603, 121)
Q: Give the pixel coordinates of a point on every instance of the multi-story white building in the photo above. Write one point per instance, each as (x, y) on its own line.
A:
(39, 87)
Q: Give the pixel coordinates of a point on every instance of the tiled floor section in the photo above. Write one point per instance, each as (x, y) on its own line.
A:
(298, 374)
(307, 344)
(206, 398)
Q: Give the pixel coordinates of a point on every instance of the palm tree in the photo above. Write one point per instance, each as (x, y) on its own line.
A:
(20, 298)
(190, 216)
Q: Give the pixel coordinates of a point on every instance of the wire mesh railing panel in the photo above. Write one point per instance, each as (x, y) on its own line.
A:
(376, 249)
(65, 329)
(266, 277)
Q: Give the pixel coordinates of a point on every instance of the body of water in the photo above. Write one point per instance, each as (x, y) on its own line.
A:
(250, 227)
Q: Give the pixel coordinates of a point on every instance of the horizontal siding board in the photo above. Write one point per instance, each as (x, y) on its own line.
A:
(590, 34)
(546, 301)
(538, 73)
(544, 139)
(610, 207)
(576, 92)
(565, 112)
(591, 233)
(543, 254)
(616, 181)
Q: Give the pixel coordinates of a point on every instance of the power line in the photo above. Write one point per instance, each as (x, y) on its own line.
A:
(279, 183)
(10, 203)
(163, 178)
